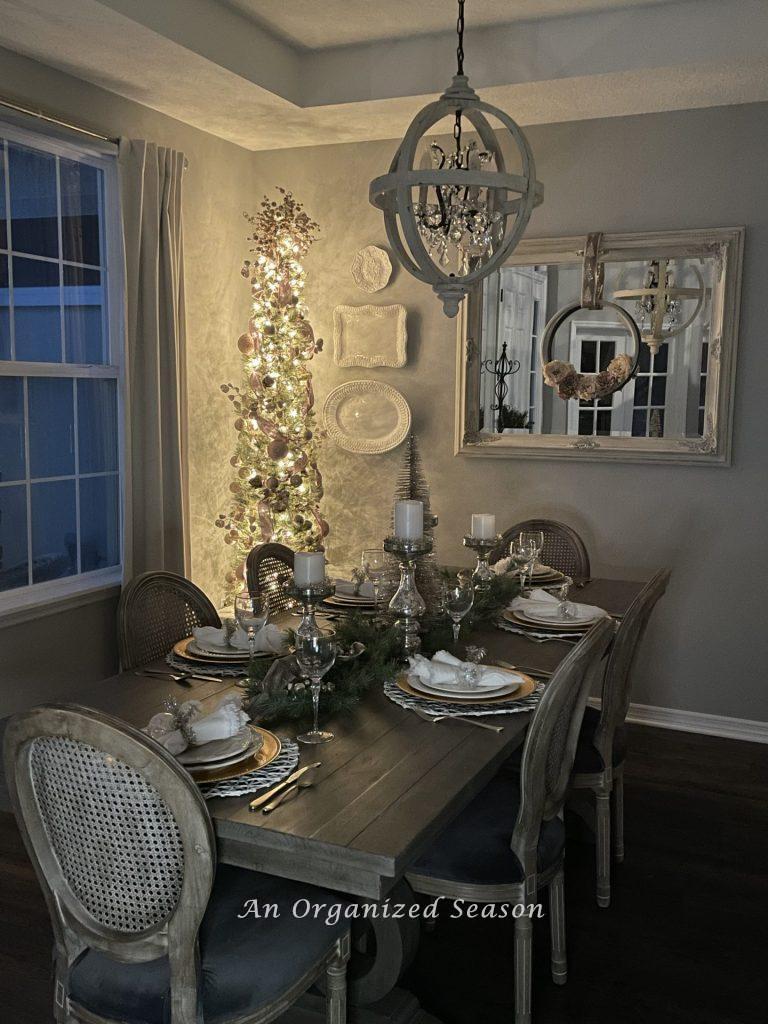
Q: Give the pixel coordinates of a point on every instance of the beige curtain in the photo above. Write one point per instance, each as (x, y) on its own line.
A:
(156, 416)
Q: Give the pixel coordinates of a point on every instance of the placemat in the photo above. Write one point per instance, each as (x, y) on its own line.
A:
(435, 707)
(252, 782)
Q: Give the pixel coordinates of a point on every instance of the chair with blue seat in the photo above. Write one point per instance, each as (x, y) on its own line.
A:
(147, 929)
(602, 746)
(509, 842)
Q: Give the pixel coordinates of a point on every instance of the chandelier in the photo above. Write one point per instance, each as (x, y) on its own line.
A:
(659, 303)
(455, 218)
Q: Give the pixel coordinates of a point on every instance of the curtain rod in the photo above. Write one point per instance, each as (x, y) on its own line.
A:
(9, 105)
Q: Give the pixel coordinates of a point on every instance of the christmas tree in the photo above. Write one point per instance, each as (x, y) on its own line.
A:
(278, 487)
(412, 484)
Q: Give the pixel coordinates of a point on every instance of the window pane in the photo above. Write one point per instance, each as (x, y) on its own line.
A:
(12, 460)
(80, 212)
(97, 425)
(588, 356)
(656, 423)
(641, 391)
(607, 352)
(54, 537)
(658, 390)
(645, 359)
(36, 313)
(34, 209)
(604, 423)
(99, 522)
(3, 215)
(51, 427)
(639, 421)
(661, 360)
(13, 538)
(702, 390)
(83, 298)
(704, 356)
(585, 422)
(5, 313)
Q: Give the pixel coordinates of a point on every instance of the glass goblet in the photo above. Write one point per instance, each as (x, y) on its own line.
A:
(521, 559)
(374, 564)
(315, 655)
(458, 599)
(533, 542)
(251, 612)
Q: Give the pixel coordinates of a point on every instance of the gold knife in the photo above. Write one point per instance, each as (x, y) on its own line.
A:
(269, 795)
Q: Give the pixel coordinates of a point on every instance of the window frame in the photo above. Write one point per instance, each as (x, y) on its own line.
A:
(70, 590)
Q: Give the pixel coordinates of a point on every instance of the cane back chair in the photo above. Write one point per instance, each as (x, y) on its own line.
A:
(602, 747)
(146, 929)
(156, 610)
(563, 549)
(269, 570)
(475, 859)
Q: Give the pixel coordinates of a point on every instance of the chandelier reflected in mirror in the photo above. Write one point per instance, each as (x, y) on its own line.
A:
(453, 213)
(664, 308)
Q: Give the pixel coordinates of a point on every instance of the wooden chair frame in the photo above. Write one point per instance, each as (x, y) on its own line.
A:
(547, 760)
(565, 535)
(616, 696)
(131, 632)
(76, 930)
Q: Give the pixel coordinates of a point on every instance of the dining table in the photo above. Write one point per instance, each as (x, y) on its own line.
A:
(388, 783)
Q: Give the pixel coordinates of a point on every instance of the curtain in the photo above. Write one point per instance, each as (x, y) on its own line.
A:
(156, 535)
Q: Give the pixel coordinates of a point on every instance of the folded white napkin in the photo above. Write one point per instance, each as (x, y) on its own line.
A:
(190, 727)
(446, 670)
(347, 589)
(269, 638)
(502, 566)
(543, 603)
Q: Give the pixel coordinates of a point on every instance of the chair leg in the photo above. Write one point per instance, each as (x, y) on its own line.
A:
(618, 815)
(336, 990)
(523, 956)
(603, 816)
(557, 928)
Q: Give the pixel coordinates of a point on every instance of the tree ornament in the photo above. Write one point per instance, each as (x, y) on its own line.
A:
(245, 344)
(277, 449)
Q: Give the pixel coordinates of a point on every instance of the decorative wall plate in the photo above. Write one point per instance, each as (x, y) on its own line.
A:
(371, 268)
(369, 335)
(366, 416)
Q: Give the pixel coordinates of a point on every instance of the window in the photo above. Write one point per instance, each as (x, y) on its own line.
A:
(60, 369)
(650, 395)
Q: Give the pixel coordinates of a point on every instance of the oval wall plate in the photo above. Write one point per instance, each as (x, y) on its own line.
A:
(366, 416)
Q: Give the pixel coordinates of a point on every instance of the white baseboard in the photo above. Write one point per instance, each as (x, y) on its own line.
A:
(695, 721)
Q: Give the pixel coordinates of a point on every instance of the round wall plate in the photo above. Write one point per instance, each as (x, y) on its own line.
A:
(366, 416)
(371, 268)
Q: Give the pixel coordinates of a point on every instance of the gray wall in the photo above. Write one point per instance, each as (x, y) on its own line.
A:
(691, 169)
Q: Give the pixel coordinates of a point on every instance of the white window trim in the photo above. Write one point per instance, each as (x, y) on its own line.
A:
(17, 604)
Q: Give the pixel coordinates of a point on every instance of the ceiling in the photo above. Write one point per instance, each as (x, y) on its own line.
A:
(319, 24)
(270, 74)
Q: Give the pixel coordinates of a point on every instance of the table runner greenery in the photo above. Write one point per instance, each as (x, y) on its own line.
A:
(351, 680)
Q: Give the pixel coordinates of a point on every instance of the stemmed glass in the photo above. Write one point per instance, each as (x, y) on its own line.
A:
(533, 542)
(521, 558)
(458, 599)
(252, 612)
(315, 655)
(374, 564)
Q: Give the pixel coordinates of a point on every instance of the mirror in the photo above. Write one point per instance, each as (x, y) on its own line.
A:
(682, 291)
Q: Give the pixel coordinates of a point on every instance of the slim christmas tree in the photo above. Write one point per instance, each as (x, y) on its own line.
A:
(278, 487)
(412, 484)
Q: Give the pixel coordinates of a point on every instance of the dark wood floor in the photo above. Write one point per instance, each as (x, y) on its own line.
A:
(684, 942)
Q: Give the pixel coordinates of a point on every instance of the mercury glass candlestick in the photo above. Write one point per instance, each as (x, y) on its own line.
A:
(483, 546)
(309, 595)
(408, 604)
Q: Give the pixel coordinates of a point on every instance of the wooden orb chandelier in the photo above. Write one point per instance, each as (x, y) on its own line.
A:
(456, 217)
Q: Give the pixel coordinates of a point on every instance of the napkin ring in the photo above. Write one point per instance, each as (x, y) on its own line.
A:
(183, 715)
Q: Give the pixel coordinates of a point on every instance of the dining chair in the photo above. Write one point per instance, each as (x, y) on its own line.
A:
(602, 746)
(269, 570)
(156, 610)
(563, 549)
(147, 929)
(510, 841)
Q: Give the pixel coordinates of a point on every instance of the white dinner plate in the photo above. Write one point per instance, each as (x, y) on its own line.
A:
(220, 650)
(543, 617)
(216, 751)
(481, 692)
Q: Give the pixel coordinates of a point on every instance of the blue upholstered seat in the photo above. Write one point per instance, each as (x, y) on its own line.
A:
(587, 759)
(245, 963)
(474, 848)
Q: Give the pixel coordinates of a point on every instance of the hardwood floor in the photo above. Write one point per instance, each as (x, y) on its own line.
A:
(684, 941)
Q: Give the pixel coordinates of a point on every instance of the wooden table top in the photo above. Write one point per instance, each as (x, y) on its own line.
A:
(389, 781)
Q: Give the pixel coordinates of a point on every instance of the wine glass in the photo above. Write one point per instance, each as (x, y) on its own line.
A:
(458, 599)
(533, 542)
(374, 564)
(252, 612)
(521, 558)
(315, 655)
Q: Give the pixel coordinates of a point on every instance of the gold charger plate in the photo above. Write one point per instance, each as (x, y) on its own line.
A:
(180, 649)
(527, 687)
(266, 754)
(539, 627)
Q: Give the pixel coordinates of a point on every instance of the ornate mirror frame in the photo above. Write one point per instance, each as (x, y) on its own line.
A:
(726, 245)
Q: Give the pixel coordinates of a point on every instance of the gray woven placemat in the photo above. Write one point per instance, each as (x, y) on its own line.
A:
(262, 778)
(439, 707)
(203, 669)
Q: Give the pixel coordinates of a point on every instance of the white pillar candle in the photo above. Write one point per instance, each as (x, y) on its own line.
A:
(483, 527)
(308, 568)
(409, 520)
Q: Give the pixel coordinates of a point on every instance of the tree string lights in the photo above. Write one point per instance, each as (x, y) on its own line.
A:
(278, 486)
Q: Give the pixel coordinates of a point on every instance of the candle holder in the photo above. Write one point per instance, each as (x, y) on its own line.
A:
(309, 597)
(408, 604)
(483, 574)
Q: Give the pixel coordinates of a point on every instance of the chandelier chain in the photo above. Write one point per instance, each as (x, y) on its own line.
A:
(460, 33)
